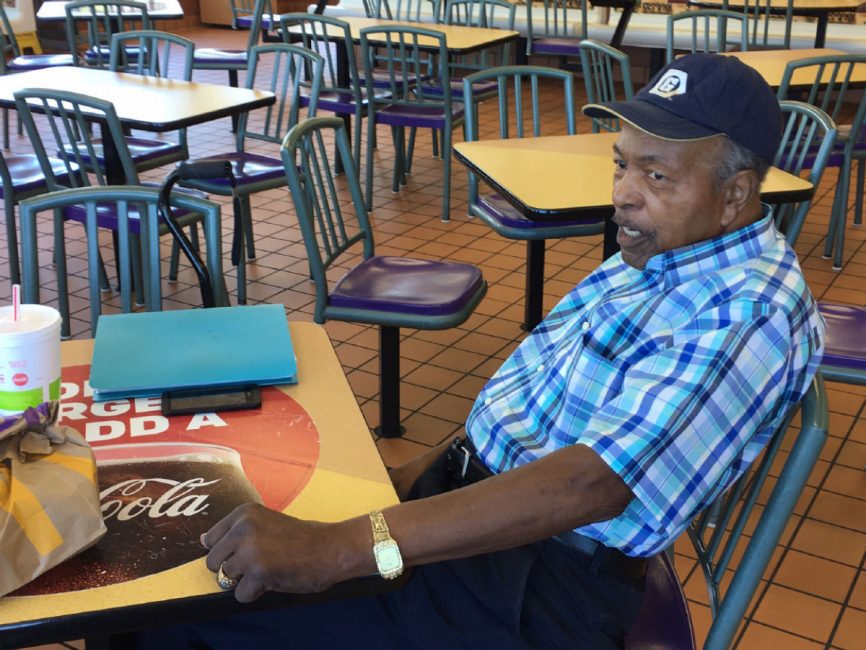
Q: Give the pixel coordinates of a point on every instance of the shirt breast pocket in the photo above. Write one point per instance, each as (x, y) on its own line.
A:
(594, 380)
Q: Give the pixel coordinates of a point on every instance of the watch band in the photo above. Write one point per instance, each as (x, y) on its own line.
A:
(381, 533)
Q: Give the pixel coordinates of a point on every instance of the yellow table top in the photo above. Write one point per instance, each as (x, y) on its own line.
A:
(569, 173)
(771, 64)
(348, 479)
(148, 103)
(458, 38)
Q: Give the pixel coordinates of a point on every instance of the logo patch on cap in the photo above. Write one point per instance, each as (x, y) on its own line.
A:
(672, 83)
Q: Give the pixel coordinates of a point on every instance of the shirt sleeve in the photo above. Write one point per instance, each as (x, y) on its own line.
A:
(684, 414)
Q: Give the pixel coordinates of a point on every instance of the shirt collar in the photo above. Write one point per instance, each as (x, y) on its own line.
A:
(731, 249)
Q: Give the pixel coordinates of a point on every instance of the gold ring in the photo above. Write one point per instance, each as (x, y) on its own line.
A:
(224, 581)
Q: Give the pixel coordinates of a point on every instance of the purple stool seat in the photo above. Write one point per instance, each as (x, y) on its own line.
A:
(478, 90)
(407, 286)
(845, 343)
(417, 115)
(217, 56)
(495, 207)
(27, 174)
(556, 46)
(38, 62)
(663, 622)
(246, 22)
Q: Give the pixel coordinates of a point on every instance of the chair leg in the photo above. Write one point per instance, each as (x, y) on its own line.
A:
(840, 202)
(389, 383)
(12, 239)
(371, 132)
(60, 268)
(397, 135)
(446, 171)
(858, 196)
(6, 129)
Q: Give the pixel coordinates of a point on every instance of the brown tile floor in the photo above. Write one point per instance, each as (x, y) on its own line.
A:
(815, 593)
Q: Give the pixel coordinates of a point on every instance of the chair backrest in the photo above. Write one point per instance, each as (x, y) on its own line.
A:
(290, 72)
(808, 139)
(707, 30)
(555, 19)
(490, 14)
(415, 11)
(719, 539)
(160, 54)
(8, 41)
(101, 19)
(401, 56)
(825, 82)
(605, 70)
(328, 225)
(761, 18)
(244, 12)
(66, 132)
(331, 38)
(519, 109)
(128, 202)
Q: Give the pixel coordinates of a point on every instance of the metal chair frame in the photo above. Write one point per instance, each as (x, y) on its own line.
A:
(605, 70)
(103, 19)
(708, 31)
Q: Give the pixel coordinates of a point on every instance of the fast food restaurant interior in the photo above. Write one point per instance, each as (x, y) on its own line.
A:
(812, 593)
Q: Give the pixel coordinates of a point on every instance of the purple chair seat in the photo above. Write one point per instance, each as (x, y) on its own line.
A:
(100, 54)
(556, 46)
(407, 286)
(845, 344)
(417, 115)
(27, 174)
(496, 207)
(478, 90)
(246, 22)
(140, 149)
(663, 622)
(217, 56)
(38, 62)
(247, 168)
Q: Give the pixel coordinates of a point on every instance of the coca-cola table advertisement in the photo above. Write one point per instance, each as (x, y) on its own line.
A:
(165, 480)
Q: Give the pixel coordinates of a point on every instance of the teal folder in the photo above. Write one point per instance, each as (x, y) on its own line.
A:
(146, 354)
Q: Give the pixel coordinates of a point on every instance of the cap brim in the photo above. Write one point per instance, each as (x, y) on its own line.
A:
(651, 119)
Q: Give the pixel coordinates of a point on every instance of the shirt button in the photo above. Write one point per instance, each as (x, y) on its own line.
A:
(540, 368)
(488, 401)
(585, 325)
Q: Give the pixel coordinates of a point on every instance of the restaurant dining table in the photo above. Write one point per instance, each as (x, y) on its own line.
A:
(568, 178)
(820, 9)
(55, 10)
(307, 452)
(771, 65)
(146, 103)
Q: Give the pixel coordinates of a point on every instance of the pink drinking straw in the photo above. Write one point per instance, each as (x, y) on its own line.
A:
(16, 302)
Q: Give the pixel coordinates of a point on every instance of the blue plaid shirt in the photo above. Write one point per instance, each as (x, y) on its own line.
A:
(675, 375)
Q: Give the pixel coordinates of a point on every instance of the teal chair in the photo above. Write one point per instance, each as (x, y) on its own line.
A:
(133, 206)
(101, 19)
(413, 11)
(233, 60)
(607, 76)
(519, 87)
(761, 19)
(391, 292)
(160, 55)
(394, 61)
(555, 27)
(295, 72)
(706, 30)
(726, 532)
(832, 92)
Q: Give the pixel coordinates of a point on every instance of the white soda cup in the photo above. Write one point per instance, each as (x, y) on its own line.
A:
(29, 357)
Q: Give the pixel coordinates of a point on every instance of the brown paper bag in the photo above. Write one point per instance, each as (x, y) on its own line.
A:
(49, 500)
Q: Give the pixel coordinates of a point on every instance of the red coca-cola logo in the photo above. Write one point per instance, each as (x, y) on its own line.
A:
(20, 379)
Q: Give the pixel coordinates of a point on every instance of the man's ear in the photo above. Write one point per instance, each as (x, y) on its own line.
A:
(740, 193)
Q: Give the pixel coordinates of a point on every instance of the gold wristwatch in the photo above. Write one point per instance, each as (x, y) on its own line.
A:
(385, 549)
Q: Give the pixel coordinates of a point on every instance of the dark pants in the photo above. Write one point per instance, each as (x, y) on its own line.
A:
(536, 596)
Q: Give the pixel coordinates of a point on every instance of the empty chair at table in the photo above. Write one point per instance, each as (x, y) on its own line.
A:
(136, 212)
(66, 119)
(90, 24)
(706, 30)
(404, 55)
(290, 72)
(607, 77)
(519, 114)
(391, 292)
(555, 27)
(826, 82)
(232, 60)
(413, 11)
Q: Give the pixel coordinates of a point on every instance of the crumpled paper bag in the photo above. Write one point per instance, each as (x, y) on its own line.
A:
(49, 495)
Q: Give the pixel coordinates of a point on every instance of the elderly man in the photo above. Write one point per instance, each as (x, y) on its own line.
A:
(647, 390)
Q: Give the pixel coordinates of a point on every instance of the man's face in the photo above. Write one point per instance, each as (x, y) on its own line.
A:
(664, 194)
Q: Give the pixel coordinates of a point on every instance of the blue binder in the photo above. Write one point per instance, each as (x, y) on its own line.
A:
(146, 354)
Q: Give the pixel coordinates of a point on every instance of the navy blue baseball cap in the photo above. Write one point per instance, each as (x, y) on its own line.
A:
(701, 96)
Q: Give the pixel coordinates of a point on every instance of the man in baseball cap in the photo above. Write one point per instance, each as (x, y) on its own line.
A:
(646, 391)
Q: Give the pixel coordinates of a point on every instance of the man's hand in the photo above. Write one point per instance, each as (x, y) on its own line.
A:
(269, 551)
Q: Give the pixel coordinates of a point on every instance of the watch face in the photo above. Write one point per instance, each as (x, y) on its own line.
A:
(388, 559)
